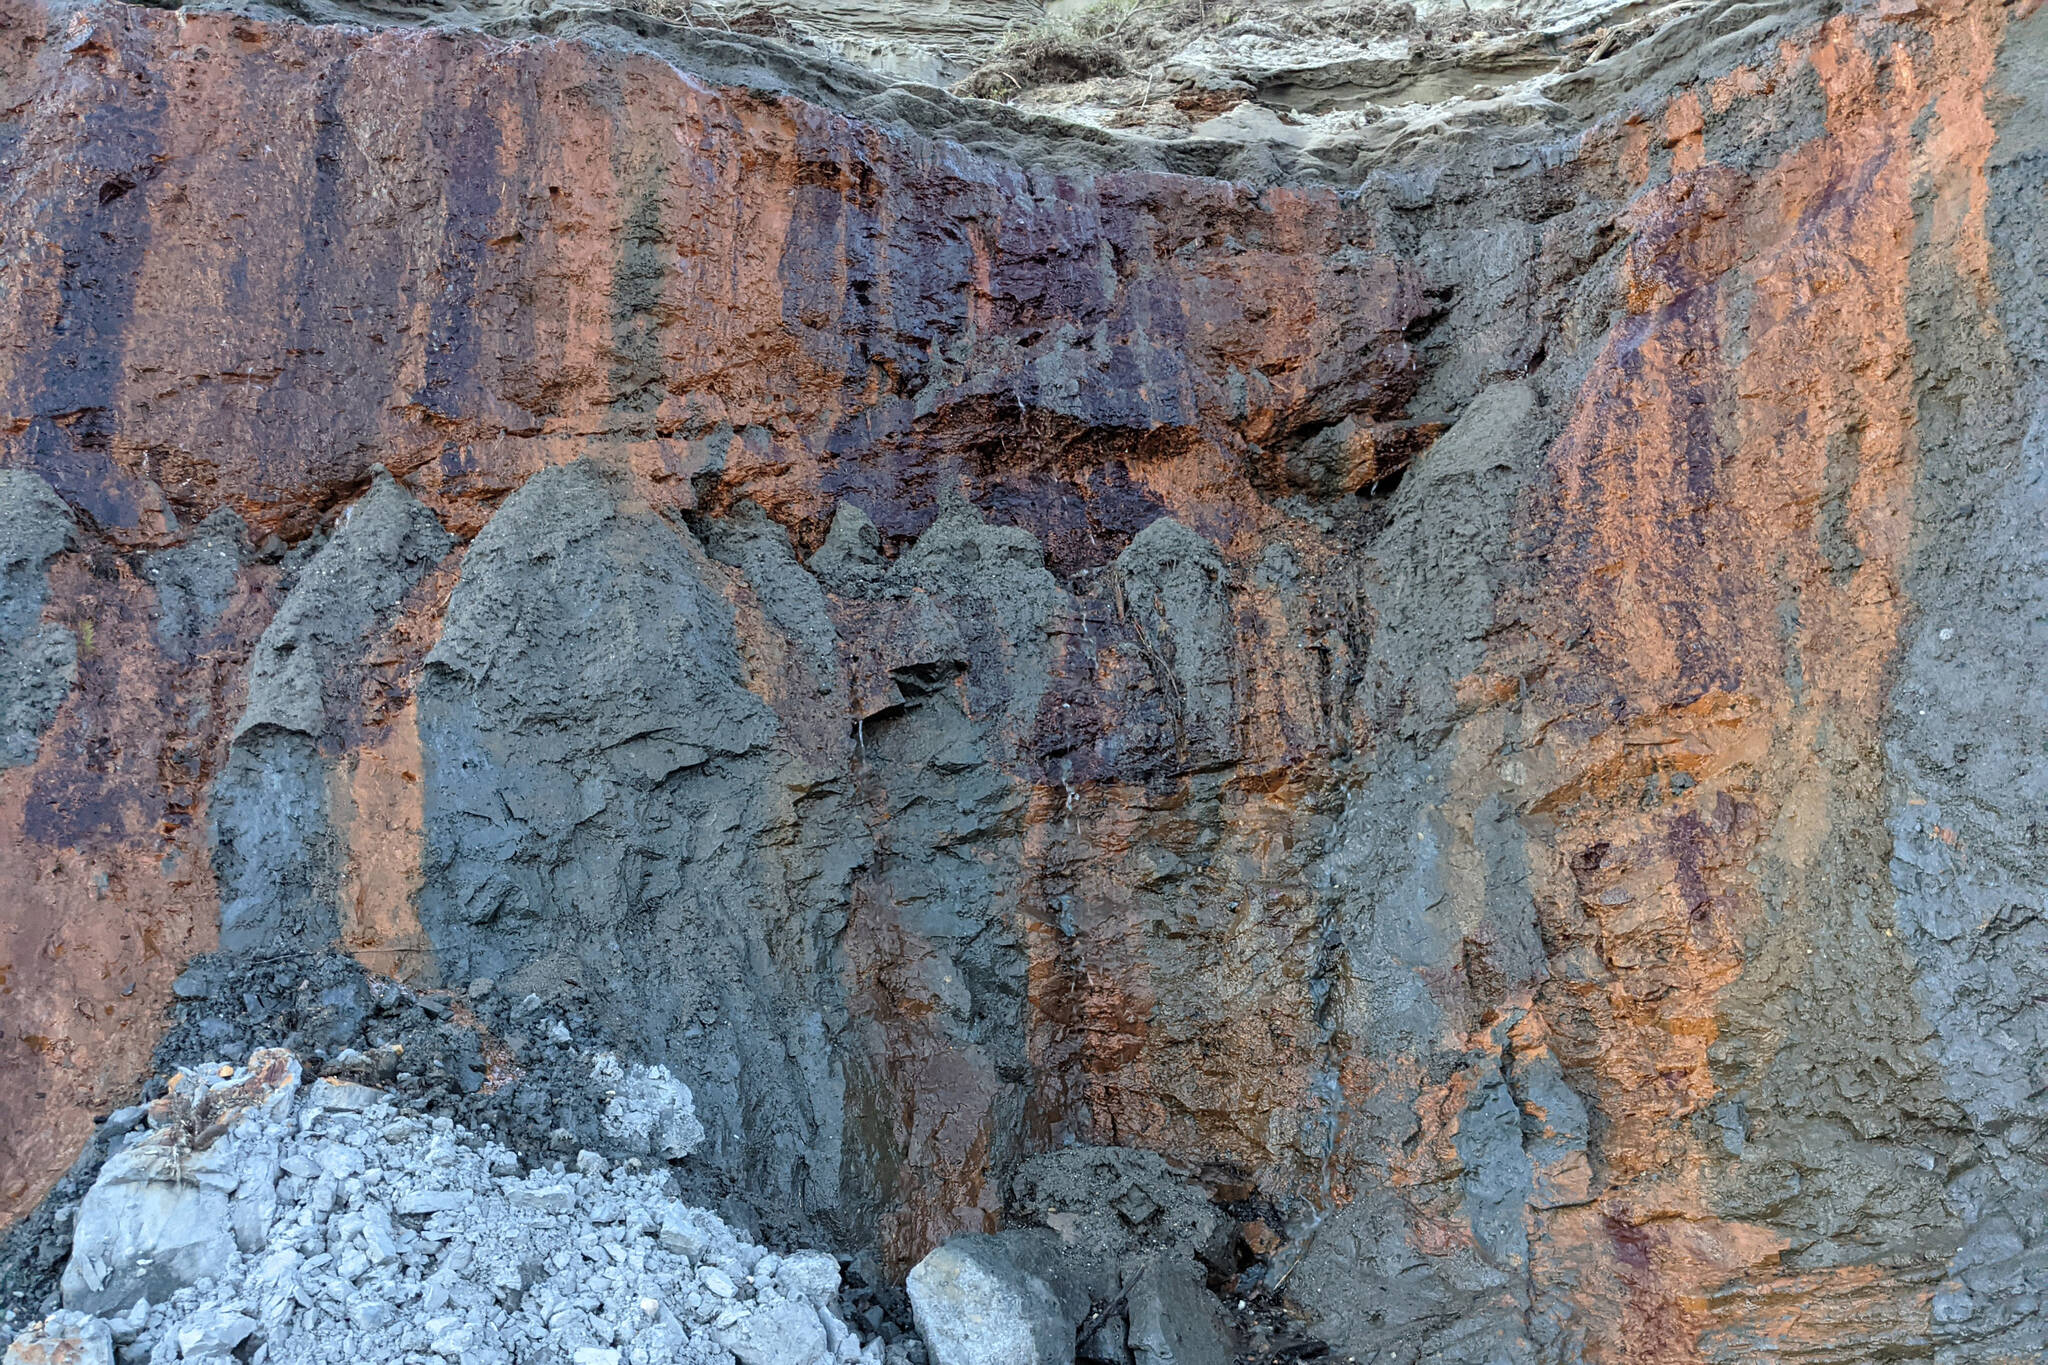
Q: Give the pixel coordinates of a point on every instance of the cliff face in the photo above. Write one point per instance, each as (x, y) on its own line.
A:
(1494, 713)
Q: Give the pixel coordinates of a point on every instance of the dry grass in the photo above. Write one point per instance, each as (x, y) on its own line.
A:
(731, 16)
(1043, 59)
(1063, 49)
(1132, 37)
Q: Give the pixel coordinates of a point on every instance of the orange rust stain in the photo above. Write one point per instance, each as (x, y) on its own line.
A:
(1089, 995)
(381, 825)
(104, 875)
(1144, 1026)
(1744, 82)
(1694, 480)
(1635, 151)
(1684, 132)
(376, 792)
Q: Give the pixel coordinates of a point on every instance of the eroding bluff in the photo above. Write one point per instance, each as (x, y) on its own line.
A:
(1491, 709)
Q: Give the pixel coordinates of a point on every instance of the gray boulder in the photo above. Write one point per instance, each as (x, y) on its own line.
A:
(1124, 1217)
(1174, 1319)
(812, 1276)
(213, 1334)
(789, 1333)
(998, 1300)
(175, 1206)
(64, 1338)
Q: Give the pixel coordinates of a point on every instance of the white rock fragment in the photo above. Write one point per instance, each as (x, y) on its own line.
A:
(452, 1342)
(166, 1210)
(213, 1334)
(978, 1303)
(385, 1237)
(681, 1233)
(650, 1112)
(64, 1338)
(127, 1328)
(544, 1198)
(809, 1275)
(415, 1202)
(783, 1334)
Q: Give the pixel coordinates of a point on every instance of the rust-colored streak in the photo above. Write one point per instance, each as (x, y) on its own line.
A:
(105, 887)
(377, 794)
(1731, 507)
(484, 259)
(382, 832)
(471, 260)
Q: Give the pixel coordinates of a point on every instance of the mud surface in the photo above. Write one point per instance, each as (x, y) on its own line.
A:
(1489, 718)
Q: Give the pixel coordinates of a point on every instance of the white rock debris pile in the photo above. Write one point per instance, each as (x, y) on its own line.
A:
(270, 1220)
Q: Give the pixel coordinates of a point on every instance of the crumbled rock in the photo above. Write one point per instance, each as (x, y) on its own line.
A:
(1120, 1252)
(290, 1229)
(789, 1333)
(176, 1204)
(64, 1338)
(1112, 1201)
(650, 1111)
(811, 1275)
(213, 1334)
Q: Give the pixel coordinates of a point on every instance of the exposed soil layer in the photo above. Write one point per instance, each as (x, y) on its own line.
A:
(1493, 716)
